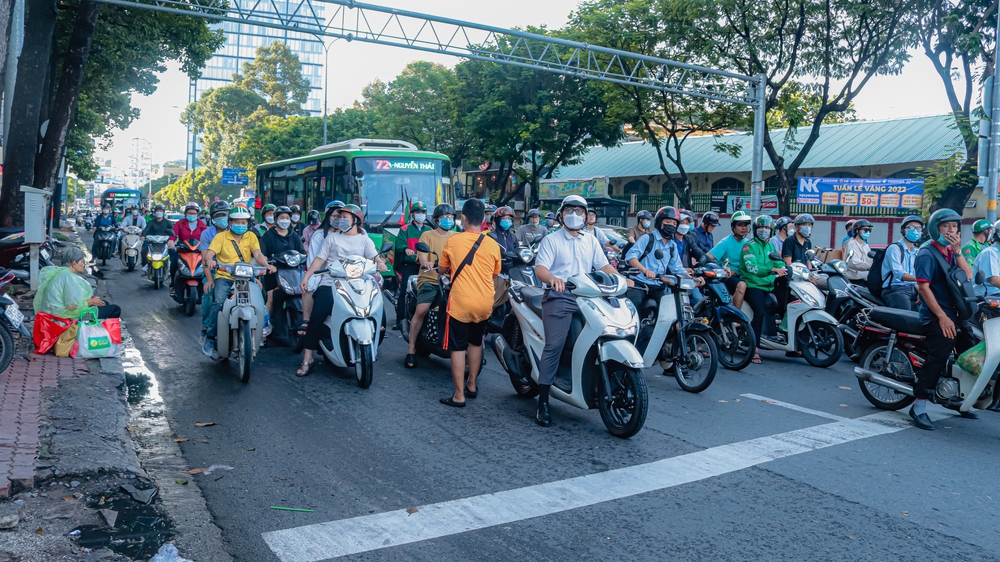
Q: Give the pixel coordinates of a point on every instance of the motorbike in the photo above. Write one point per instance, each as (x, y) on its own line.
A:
(157, 259)
(734, 338)
(190, 275)
(88, 223)
(846, 303)
(670, 335)
(815, 333)
(105, 246)
(889, 366)
(15, 253)
(599, 368)
(430, 340)
(130, 247)
(288, 299)
(241, 320)
(356, 325)
(521, 269)
(13, 321)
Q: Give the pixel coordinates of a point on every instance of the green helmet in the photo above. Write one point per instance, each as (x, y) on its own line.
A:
(418, 207)
(941, 216)
(268, 207)
(740, 216)
(239, 211)
(981, 225)
(763, 221)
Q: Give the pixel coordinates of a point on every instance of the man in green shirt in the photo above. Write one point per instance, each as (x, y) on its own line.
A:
(759, 272)
(981, 231)
(405, 261)
(728, 253)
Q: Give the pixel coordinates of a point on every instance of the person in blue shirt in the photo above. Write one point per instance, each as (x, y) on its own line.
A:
(849, 227)
(642, 256)
(103, 219)
(988, 261)
(709, 221)
(218, 222)
(899, 283)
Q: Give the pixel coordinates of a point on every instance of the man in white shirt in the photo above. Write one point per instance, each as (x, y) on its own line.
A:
(988, 261)
(561, 255)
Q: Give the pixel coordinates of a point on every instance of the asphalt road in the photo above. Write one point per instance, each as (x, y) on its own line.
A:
(322, 443)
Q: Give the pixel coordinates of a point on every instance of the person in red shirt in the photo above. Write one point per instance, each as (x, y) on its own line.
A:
(184, 230)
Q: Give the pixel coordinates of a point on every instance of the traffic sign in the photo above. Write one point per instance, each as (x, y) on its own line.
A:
(235, 176)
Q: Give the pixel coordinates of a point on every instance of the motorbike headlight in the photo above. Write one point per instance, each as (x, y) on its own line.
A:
(293, 261)
(185, 270)
(526, 255)
(354, 269)
(285, 286)
(243, 271)
(687, 284)
(617, 332)
(157, 257)
(808, 299)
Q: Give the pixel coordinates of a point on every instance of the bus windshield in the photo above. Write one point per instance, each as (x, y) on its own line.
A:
(388, 180)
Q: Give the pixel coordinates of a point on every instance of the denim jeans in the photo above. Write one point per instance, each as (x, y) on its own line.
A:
(220, 292)
(207, 302)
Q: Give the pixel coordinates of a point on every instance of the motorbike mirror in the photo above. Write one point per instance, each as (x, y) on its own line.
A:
(871, 254)
(774, 256)
(810, 254)
(658, 254)
(388, 246)
(702, 260)
(422, 247)
(980, 277)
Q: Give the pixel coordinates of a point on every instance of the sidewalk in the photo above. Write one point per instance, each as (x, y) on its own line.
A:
(20, 415)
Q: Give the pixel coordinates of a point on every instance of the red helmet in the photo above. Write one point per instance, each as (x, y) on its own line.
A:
(665, 213)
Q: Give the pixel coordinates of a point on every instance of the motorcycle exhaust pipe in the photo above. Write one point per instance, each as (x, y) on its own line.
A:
(499, 345)
(881, 380)
(848, 331)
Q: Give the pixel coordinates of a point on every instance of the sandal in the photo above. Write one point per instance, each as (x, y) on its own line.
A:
(449, 401)
(756, 358)
(411, 361)
(305, 368)
(793, 354)
(471, 393)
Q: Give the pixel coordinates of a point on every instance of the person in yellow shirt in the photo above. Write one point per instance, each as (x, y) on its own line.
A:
(470, 301)
(229, 246)
(427, 282)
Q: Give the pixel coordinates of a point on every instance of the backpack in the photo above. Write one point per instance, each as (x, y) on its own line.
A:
(963, 293)
(649, 247)
(876, 283)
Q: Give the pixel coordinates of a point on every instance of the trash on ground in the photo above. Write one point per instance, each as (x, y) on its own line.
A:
(182, 439)
(168, 553)
(110, 516)
(279, 508)
(412, 510)
(204, 424)
(74, 533)
(181, 482)
(143, 496)
(194, 471)
(9, 521)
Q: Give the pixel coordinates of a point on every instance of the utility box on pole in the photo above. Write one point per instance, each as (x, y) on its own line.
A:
(34, 225)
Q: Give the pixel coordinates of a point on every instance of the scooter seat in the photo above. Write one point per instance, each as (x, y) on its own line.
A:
(533, 298)
(905, 321)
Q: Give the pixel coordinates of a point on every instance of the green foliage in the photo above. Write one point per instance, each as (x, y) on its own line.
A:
(938, 179)
(278, 138)
(207, 186)
(276, 76)
(224, 115)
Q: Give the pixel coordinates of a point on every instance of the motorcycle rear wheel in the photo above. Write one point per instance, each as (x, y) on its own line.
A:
(828, 346)
(703, 357)
(624, 412)
(245, 342)
(6, 347)
(190, 301)
(881, 397)
(363, 367)
(738, 353)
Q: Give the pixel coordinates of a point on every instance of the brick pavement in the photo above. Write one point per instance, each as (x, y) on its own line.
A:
(20, 399)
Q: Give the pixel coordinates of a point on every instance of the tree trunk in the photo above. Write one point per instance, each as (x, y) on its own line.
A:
(6, 17)
(22, 144)
(64, 104)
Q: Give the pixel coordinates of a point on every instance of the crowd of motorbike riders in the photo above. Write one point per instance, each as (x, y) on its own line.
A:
(757, 256)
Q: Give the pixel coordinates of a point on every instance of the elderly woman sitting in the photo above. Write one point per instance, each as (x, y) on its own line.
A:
(63, 293)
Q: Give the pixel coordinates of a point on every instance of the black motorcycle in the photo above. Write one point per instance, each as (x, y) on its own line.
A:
(288, 299)
(520, 265)
(430, 340)
(106, 237)
(733, 335)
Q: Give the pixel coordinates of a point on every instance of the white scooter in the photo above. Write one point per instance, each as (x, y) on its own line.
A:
(130, 247)
(241, 320)
(817, 334)
(356, 321)
(600, 367)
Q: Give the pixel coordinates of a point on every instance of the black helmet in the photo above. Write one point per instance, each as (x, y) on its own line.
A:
(908, 220)
(218, 207)
(313, 217)
(295, 209)
(861, 223)
(644, 215)
(710, 218)
(159, 207)
(534, 213)
(804, 218)
(442, 210)
(666, 213)
(282, 210)
(781, 223)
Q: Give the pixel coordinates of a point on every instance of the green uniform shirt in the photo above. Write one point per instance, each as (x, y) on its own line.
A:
(971, 250)
(407, 238)
(756, 265)
(729, 248)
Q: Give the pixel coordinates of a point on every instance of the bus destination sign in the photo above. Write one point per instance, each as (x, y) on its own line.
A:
(408, 165)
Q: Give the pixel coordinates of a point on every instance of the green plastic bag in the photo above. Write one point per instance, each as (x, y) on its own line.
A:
(972, 360)
(61, 292)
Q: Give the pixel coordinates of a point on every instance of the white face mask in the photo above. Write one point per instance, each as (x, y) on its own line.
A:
(295, 218)
(269, 219)
(791, 229)
(573, 221)
(683, 229)
(284, 223)
(420, 217)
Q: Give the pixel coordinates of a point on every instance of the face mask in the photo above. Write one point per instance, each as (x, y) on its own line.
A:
(645, 224)
(284, 223)
(668, 230)
(159, 215)
(446, 223)
(683, 229)
(805, 231)
(506, 223)
(106, 212)
(791, 230)
(239, 229)
(191, 218)
(269, 219)
(135, 213)
(221, 223)
(295, 218)
(943, 241)
(342, 225)
(488, 218)
(573, 221)
(763, 233)
(913, 235)
(420, 217)
(865, 235)
(548, 222)
(534, 224)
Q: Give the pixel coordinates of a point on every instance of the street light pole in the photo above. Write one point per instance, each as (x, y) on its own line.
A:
(994, 169)
(326, 79)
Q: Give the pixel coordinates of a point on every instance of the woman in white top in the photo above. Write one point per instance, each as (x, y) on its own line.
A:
(856, 251)
(349, 241)
(315, 243)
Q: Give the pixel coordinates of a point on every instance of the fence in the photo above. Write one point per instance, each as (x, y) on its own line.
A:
(701, 203)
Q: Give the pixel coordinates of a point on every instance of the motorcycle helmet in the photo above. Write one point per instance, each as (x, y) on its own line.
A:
(194, 206)
(981, 225)
(570, 201)
(313, 217)
(491, 209)
(740, 216)
(158, 207)
(665, 213)
(644, 215)
(782, 223)
(939, 217)
(710, 218)
(416, 207)
(762, 222)
(550, 216)
(218, 207)
(360, 215)
(335, 204)
(862, 223)
(282, 210)
(533, 213)
(908, 220)
(239, 211)
(996, 232)
(442, 210)
(502, 212)
(295, 209)
(804, 218)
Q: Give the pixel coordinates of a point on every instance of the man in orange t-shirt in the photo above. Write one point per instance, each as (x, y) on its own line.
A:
(470, 301)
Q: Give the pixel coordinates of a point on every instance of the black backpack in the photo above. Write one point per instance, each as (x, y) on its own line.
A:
(876, 283)
(649, 247)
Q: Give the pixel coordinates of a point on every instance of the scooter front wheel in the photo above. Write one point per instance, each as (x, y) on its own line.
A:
(820, 343)
(696, 371)
(363, 367)
(624, 411)
(245, 351)
(734, 338)
(130, 263)
(896, 367)
(190, 301)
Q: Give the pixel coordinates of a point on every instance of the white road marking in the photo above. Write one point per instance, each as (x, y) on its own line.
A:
(774, 402)
(321, 541)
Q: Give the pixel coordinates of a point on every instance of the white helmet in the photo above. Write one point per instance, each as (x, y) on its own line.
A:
(573, 201)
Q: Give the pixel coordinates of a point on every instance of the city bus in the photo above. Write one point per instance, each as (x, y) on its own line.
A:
(121, 199)
(380, 176)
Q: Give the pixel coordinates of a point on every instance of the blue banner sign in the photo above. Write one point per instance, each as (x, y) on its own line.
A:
(891, 193)
(235, 176)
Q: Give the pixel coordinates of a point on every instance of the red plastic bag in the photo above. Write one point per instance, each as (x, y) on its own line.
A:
(47, 330)
(114, 328)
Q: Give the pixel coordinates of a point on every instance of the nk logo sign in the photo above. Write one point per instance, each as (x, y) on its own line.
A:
(897, 193)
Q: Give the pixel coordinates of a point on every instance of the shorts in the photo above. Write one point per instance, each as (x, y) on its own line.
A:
(426, 293)
(463, 334)
(731, 282)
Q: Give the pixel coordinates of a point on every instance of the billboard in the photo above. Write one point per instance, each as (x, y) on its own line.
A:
(894, 193)
(586, 188)
(768, 204)
(235, 176)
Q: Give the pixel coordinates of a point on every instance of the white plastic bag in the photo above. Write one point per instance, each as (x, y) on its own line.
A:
(98, 338)
(168, 553)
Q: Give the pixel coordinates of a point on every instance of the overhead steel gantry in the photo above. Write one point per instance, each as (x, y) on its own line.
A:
(356, 21)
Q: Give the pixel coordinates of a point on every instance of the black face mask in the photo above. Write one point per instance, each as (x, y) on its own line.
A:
(668, 230)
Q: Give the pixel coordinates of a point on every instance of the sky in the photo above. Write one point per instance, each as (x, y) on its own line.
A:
(917, 91)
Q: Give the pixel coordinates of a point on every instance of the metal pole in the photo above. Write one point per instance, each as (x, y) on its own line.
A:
(326, 84)
(757, 171)
(991, 187)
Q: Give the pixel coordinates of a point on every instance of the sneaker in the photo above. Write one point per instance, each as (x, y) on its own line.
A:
(201, 338)
(144, 269)
(267, 324)
(208, 348)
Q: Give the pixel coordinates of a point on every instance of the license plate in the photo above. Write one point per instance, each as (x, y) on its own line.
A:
(14, 315)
